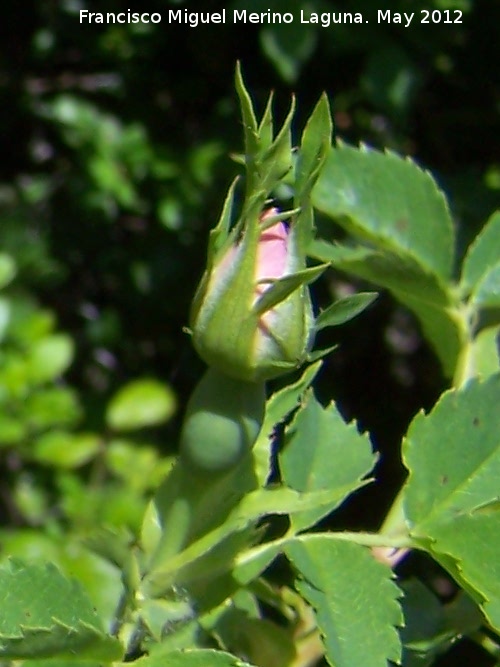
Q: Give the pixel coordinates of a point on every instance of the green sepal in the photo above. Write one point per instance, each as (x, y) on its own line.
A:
(266, 160)
(282, 288)
(314, 148)
(220, 233)
(266, 126)
(320, 354)
(250, 126)
(276, 161)
(226, 323)
(344, 309)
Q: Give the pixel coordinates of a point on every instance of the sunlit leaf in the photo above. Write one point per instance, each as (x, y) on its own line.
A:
(49, 615)
(358, 616)
(140, 403)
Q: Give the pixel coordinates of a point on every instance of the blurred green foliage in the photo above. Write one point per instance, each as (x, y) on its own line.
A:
(116, 142)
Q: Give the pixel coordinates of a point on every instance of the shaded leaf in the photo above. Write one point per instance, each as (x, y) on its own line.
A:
(288, 47)
(431, 627)
(468, 548)
(413, 285)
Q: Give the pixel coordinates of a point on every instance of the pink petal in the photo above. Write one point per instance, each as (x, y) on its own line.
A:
(272, 251)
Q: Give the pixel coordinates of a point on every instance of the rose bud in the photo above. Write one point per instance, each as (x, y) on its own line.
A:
(252, 317)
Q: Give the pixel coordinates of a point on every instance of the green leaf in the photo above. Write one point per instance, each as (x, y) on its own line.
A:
(251, 509)
(138, 464)
(66, 450)
(424, 626)
(64, 663)
(191, 658)
(140, 403)
(280, 404)
(49, 357)
(431, 627)
(210, 580)
(487, 291)
(354, 597)
(158, 615)
(288, 46)
(176, 635)
(7, 269)
(486, 352)
(453, 455)
(100, 580)
(468, 547)
(49, 615)
(451, 496)
(12, 430)
(259, 639)
(344, 309)
(52, 406)
(412, 284)
(28, 322)
(483, 253)
(5, 314)
(323, 452)
(389, 202)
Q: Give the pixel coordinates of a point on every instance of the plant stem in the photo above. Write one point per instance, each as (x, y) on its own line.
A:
(395, 521)
(176, 503)
(465, 368)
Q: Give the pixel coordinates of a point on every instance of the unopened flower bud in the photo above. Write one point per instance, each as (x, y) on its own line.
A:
(252, 317)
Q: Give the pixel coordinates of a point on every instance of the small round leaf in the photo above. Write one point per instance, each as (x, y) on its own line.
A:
(7, 269)
(140, 403)
(50, 357)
